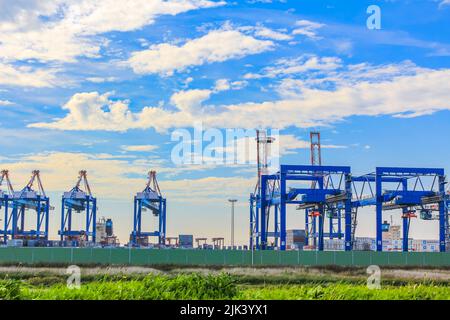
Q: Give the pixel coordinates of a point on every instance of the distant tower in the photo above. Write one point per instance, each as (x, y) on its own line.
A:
(316, 160)
(262, 150)
(316, 157)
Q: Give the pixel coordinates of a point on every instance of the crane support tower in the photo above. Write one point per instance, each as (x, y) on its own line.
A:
(28, 199)
(316, 152)
(263, 142)
(79, 200)
(149, 199)
(333, 214)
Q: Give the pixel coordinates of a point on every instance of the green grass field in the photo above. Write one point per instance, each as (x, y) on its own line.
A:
(191, 284)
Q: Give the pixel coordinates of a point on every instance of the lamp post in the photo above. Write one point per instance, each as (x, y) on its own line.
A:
(233, 201)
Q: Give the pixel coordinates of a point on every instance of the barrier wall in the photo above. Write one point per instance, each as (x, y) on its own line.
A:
(125, 256)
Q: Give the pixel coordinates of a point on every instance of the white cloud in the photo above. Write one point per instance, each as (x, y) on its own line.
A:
(190, 101)
(308, 29)
(101, 79)
(167, 58)
(139, 148)
(302, 64)
(222, 84)
(26, 76)
(187, 81)
(225, 84)
(61, 30)
(5, 103)
(59, 171)
(418, 92)
(267, 33)
(89, 107)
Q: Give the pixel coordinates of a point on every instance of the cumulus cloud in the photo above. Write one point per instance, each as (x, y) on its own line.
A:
(389, 91)
(167, 58)
(100, 112)
(59, 171)
(61, 30)
(190, 101)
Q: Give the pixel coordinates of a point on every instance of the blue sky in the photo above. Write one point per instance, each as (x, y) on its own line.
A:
(101, 86)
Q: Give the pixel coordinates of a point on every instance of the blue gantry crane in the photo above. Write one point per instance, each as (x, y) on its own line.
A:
(79, 200)
(416, 192)
(6, 197)
(28, 199)
(405, 189)
(447, 218)
(330, 192)
(149, 199)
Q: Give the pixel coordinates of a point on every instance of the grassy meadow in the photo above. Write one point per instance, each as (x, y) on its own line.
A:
(220, 284)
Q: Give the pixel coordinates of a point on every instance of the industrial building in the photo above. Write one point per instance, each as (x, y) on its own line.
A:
(105, 233)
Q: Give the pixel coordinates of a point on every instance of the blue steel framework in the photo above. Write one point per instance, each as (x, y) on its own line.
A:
(447, 222)
(150, 198)
(322, 196)
(409, 195)
(20, 202)
(6, 198)
(79, 201)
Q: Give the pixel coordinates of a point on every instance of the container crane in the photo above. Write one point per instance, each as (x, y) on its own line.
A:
(398, 188)
(28, 199)
(5, 198)
(79, 200)
(149, 199)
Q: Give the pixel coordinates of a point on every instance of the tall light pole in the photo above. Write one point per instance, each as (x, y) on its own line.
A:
(232, 220)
